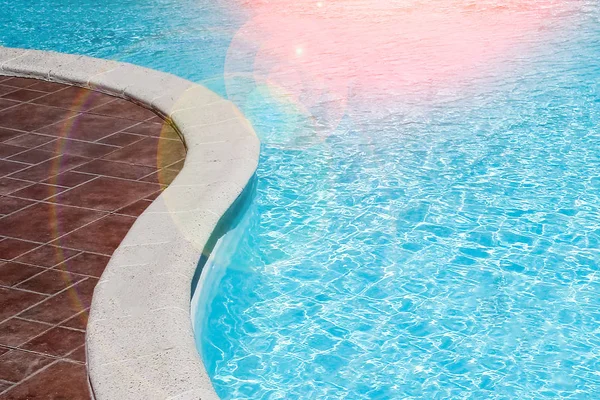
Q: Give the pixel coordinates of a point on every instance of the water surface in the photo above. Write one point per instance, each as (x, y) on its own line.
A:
(426, 218)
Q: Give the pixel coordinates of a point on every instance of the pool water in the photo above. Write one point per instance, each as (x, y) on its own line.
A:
(426, 221)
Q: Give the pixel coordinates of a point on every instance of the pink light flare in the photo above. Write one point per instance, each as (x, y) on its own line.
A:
(325, 49)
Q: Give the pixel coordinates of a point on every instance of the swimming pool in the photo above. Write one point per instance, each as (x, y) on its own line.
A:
(426, 217)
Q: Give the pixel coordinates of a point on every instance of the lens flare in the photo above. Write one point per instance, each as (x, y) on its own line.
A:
(376, 48)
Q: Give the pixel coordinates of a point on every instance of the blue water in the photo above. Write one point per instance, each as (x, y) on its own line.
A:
(435, 240)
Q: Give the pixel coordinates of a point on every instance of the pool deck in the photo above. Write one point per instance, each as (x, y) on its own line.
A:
(77, 167)
(139, 340)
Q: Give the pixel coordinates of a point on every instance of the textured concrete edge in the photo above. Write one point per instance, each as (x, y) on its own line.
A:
(140, 343)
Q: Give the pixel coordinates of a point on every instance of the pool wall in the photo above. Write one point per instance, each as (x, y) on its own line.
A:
(139, 342)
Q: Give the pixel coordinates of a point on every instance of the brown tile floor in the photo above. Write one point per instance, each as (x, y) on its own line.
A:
(76, 168)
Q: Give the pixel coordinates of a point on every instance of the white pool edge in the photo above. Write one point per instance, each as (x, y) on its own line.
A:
(139, 339)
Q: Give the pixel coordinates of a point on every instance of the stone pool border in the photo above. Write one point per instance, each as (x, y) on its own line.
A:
(139, 340)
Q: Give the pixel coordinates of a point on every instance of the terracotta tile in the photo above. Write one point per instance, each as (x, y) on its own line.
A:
(102, 236)
(154, 195)
(9, 185)
(177, 166)
(20, 82)
(14, 332)
(63, 305)
(115, 169)
(50, 282)
(11, 204)
(29, 140)
(7, 150)
(29, 117)
(151, 152)
(56, 342)
(121, 139)
(50, 168)
(85, 263)
(5, 103)
(155, 129)
(7, 89)
(79, 321)
(105, 194)
(23, 95)
(78, 355)
(69, 179)
(85, 127)
(13, 301)
(48, 87)
(63, 380)
(74, 98)
(165, 176)
(8, 167)
(11, 273)
(33, 156)
(47, 256)
(121, 108)
(12, 248)
(39, 191)
(17, 365)
(78, 148)
(8, 134)
(43, 222)
(136, 208)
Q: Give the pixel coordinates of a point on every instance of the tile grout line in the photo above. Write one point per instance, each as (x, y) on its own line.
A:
(46, 295)
(53, 265)
(16, 286)
(67, 86)
(159, 170)
(52, 325)
(43, 300)
(45, 244)
(48, 329)
(57, 238)
(91, 159)
(43, 201)
(29, 320)
(35, 373)
(81, 165)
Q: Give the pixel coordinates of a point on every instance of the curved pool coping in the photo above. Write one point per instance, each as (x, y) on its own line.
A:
(139, 340)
